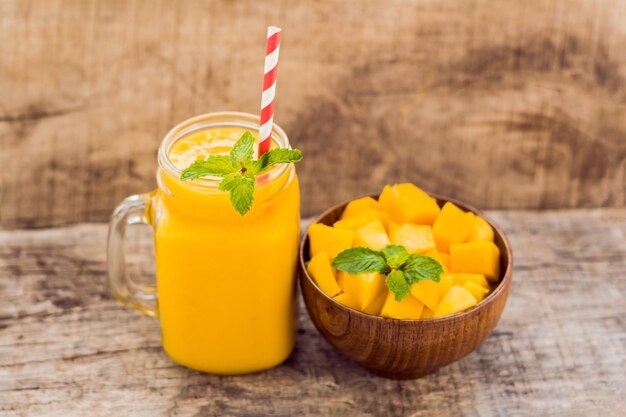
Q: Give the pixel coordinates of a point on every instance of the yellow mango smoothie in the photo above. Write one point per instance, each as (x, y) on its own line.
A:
(225, 281)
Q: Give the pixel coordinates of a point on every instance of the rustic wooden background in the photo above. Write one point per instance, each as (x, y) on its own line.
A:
(504, 104)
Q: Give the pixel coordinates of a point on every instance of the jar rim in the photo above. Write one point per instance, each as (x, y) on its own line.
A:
(218, 119)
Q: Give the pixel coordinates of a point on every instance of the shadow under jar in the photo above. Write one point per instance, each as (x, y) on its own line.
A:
(404, 349)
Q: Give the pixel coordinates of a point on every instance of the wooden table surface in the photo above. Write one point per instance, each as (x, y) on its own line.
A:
(67, 348)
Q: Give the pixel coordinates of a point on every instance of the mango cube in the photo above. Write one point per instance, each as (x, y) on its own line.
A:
(347, 300)
(409, 308)
(478, 279)
(340, 276)
(375, 306)
(359, 220)
(481, 230)
(476, 258)
(356, 207)
(406, 203)
(363, 287)
(457, 299)
(373, 235)
(330, 239)
(476, 290)
(453, 225)
(442, 258)
(323, 275)
(416, 238)
(427, 292)
(391, 226)
(446, 281)
(427, 313)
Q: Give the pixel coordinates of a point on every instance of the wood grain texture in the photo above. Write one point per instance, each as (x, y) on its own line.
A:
(403, 349)
(517, 104)
(68, 349)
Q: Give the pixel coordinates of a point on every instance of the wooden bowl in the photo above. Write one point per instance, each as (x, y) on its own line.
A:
(404, 349)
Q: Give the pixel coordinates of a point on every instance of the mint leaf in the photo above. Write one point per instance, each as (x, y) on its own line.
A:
(214, 165)
(239, 169)
(241, 190)
(243, 150)
(274, 157)
(360, 260)
(397, 284)
(401, 267)
(230, 181)
(395, 255)
(280, 156)
(420, 267)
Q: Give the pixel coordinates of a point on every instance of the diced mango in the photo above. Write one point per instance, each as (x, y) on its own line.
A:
(416, 238)
(409, 308)
(391, 226)
(427, 313)
(359, 220)
(340, 279)
(330, 239)
(373, 235)
(363, 287)
(462, 242)
(476, 258)
(427, 292)
(481, 230)
(347, 300)
(323, 275)
(445, 258)
(476, 290)
(375, 306)
(478, 279)
(386, 221)
(356, 207)
(453, 225)
(442, 258)
(406, 203)
(446, 281)
(457, 299)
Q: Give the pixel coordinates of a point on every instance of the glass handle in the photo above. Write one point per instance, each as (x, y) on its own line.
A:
(133, 210)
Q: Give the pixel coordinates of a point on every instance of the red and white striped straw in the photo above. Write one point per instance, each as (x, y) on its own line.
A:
(269, 88)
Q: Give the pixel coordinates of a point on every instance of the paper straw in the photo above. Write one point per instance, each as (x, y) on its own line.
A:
(269, 88)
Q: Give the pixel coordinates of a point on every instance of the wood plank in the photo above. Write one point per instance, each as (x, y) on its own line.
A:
(68, 349)
(511, 105)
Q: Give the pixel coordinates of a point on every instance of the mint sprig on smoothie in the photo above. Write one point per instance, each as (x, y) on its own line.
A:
(401, 267)
(239, 169)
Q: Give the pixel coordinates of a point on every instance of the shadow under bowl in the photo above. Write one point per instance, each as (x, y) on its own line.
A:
(404, 349)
